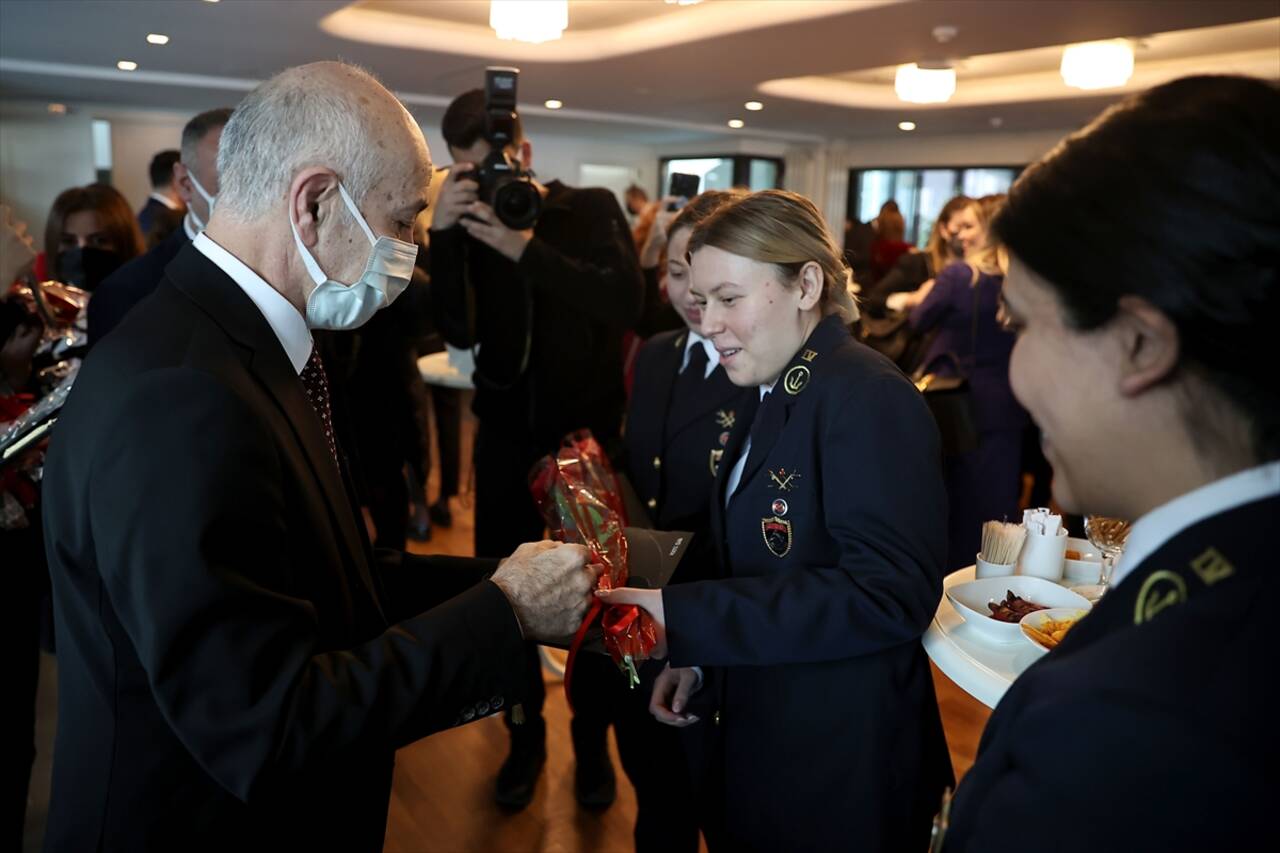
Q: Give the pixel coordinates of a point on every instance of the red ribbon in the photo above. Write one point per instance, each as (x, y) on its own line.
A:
(615, 620)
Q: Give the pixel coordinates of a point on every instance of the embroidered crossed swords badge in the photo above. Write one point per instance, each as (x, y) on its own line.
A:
(781, 480)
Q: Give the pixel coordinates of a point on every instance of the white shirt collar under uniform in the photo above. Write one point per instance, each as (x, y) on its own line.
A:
(1164, 522)
(288, 324)
(713, 355)
(735, 476)
(166, 201)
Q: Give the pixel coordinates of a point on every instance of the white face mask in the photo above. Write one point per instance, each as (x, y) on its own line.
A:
(334, 305)
(208, 199)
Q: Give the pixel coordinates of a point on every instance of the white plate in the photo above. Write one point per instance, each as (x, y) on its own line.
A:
(1037, 619)
(970, 601)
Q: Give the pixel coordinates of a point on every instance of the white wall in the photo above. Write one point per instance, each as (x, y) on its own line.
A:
(136, 137)
(40, 156)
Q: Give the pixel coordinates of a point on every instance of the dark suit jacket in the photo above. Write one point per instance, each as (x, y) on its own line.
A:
(235, 668)
(819, 726)
(1153, 725)
(153, 214)
(130, 284)
(673, 455)
(572, 296)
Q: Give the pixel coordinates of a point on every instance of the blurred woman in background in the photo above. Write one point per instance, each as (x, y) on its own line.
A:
(960, 308)
(90, 232)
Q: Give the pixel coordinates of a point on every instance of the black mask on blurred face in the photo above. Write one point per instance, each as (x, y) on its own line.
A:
(87, 267)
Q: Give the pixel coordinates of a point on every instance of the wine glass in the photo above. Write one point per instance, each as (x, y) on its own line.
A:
(1108, 535)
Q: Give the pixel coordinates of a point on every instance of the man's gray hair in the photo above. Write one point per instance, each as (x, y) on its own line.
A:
(287, 124)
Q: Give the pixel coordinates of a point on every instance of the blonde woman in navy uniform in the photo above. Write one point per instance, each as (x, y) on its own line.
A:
(798, 672)
(682, 411)
(1144, 284)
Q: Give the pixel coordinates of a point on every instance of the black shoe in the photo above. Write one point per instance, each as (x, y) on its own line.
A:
(440, 514)
(594, 783)
(519, 775)
(419, 527)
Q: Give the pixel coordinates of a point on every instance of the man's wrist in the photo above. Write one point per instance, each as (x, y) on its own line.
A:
(510, 601)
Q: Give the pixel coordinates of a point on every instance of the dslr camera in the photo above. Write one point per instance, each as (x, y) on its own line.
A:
(504, 186)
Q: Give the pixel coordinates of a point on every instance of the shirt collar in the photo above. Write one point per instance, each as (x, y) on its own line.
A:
(1157, 527)
(287, 322)
(713, 355)
(166, 201)
(188, 228)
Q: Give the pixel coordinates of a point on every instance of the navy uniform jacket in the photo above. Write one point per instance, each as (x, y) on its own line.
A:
(129, 285)
(673, 456)
(1153, 725)
(235, 666)
(820, 729)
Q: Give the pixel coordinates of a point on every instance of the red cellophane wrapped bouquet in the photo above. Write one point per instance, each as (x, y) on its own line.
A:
(579, 497)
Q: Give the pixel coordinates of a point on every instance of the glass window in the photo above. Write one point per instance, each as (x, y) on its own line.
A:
(980, 182)
(937, 187)
(763, 174)
(874, 188)
(715, 173)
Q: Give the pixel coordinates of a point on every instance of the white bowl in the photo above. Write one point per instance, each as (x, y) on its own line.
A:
(1088, 567)
(970, 600)
(1037, 619)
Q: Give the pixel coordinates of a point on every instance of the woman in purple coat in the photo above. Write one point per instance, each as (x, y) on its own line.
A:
(983, 483)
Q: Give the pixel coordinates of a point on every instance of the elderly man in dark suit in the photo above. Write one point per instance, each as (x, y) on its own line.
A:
(195, 177)
(236, 666)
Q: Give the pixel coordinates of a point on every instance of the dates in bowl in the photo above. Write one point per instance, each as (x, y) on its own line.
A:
(992, 607)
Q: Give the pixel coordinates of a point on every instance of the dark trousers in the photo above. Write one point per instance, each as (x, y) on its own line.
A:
(27, 578)
(388, 502)
(506, 516)
(982, 485)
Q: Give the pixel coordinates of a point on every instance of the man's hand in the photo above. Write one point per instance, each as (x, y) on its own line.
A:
(549, 586)
(648, 600)
(671, 692)
(458, 192)
(488, 229)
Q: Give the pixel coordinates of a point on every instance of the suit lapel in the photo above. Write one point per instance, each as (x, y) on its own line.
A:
(717, 391)
(213, 290)
(737, 437)
(792, 383)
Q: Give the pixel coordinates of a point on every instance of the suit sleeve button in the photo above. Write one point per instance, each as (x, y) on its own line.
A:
(657, 462)
(653, 503)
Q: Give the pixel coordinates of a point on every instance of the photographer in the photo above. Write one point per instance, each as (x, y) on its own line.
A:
(546, 304)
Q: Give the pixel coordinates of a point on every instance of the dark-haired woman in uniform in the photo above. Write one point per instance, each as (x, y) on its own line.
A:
(1144, 284)
(682, 410)
(799, 670)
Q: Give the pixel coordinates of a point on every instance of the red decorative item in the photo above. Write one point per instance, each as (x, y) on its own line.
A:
(578, 494)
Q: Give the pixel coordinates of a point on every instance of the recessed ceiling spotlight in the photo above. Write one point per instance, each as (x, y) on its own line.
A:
(944, 33)
(127, 65)
(157, 38)
(58, 109)
(754, 106)
(996, 121)
(906, 125)
(553, 104)
(736, 123)
(683, 2)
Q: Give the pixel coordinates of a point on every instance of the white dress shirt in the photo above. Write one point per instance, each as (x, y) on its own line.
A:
(285, 320)
(166, 201)
(713, 355)
(1164, 522)
(735, 476)
(189, 227)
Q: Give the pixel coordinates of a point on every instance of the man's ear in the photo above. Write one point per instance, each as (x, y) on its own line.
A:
(311, 188)
(1150, 344)
(182, 183)
(810, 283)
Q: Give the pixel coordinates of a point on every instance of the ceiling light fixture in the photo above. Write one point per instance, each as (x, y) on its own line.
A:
(553, 104)
(683, 2)
(906, 125)
(925, 85)
(1097, 64)
(157, 38)
(754, 106)
(127, 65)
(736, 123)
(58, 109)
(532, 21)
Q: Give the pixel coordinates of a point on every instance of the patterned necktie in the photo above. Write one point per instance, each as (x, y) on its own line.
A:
(316, 384)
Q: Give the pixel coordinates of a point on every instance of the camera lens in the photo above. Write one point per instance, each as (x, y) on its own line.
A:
(517, 203)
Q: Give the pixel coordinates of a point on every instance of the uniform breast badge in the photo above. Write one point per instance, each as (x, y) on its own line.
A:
(795, 380)
(717, 453)
(779, 507)
(1212, 567)
(1160, 590)
(781, 480)
(725, 419)
(777, 535)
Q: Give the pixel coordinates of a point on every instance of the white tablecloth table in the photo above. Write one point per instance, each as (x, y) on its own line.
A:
(981, 668)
